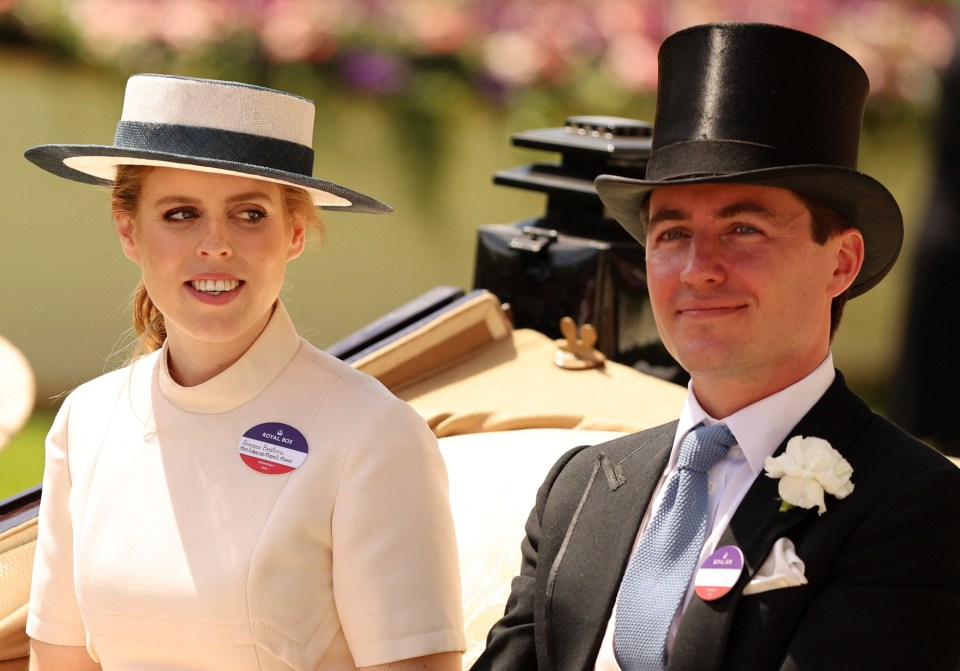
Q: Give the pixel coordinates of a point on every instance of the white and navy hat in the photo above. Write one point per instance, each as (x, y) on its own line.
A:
(210, 126)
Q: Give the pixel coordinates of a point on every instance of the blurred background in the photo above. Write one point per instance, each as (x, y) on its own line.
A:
(416, 103)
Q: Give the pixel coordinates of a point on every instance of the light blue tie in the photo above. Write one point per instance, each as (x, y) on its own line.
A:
(662, 565)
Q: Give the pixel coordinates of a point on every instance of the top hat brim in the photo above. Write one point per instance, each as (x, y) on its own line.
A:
(97, 164)
(861, 200)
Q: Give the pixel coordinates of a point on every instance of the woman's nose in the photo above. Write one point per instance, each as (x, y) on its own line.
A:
(215, 239)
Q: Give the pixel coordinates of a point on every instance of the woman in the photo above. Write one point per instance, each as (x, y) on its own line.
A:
(236, 499)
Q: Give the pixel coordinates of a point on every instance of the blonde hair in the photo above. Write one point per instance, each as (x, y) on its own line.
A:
(148, 321)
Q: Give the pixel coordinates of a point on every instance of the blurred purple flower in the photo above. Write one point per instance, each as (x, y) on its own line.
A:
(375, 72)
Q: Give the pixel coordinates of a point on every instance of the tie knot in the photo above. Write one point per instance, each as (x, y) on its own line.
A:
(703, 447)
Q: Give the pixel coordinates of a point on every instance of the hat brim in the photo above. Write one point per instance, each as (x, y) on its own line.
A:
(97, 165)
(861, 200)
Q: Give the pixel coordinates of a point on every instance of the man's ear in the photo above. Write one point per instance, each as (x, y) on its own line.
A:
(850, 252)
(125, 231)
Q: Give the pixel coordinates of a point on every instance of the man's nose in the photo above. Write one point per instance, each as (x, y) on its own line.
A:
(706, 261)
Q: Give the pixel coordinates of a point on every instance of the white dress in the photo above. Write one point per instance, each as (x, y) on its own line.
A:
(162, 547)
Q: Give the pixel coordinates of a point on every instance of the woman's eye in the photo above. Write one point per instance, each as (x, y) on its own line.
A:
(181, 214)
(253, 216)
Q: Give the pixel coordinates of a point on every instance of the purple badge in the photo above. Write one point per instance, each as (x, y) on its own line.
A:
(273, 448)
(718, 573)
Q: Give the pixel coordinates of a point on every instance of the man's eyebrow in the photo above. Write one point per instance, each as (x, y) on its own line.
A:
(743, 207)
(726, 212)
(668, 214)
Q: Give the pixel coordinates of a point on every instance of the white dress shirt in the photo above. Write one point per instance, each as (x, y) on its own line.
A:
(759, 429)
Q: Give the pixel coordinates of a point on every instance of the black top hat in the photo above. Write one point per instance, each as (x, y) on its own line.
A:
(210, 126)
(760, 104)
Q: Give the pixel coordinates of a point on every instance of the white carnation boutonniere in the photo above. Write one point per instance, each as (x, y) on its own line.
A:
(807, 469)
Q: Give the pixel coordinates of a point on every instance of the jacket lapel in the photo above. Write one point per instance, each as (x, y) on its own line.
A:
(838, 417)
(587, 570)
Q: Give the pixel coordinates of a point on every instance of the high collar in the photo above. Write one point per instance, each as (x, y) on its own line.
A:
(244, 380)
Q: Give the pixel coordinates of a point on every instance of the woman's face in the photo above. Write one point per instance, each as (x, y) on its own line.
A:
(213, 250)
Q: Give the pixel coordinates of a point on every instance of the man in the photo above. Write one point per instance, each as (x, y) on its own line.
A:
(840, 553)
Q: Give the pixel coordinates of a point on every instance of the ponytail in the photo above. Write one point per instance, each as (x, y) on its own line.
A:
(147, 320)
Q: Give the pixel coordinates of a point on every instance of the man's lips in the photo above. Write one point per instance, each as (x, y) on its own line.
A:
(707, 311)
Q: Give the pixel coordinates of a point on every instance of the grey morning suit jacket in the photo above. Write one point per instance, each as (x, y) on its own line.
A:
(883, 565)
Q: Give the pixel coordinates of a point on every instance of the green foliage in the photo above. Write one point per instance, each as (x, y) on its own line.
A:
(21, 463)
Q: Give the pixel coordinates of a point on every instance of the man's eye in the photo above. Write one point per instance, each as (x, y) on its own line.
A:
(672, 234)
(746, 228)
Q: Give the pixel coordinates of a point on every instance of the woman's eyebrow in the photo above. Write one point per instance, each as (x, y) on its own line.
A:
(189, 200)
(249, 195)
(175, 199)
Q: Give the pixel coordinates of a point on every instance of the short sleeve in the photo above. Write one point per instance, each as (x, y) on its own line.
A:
(54, 616)
(395, 567)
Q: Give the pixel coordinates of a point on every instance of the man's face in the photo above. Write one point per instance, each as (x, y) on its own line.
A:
(739, 289)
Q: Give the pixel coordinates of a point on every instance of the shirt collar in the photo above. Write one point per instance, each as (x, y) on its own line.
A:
(761, 427)
(244, 380)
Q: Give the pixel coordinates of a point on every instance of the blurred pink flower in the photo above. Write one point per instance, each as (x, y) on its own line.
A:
(507, 43)
(303, 30)
(429, 26)
(615, 18)
(631, 62)
(188, 24)
(107, 26)
(513, 58)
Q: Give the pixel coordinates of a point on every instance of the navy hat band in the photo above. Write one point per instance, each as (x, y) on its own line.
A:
(215, 144)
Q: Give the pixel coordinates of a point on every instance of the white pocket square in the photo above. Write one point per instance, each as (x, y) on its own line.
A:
(782, 568)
